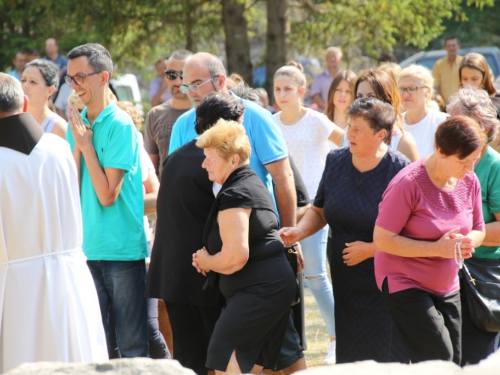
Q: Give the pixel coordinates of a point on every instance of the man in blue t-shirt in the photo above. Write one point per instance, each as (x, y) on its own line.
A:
(52, 49)
(106, 149)
(204, 73)
(19, 63)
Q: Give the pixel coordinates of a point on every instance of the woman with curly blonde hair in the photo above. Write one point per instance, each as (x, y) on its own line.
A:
(244, 254)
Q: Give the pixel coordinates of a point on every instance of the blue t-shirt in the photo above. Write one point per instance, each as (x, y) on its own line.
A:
(115, 232)
(268, 144)
(60, 61)
(13, 73)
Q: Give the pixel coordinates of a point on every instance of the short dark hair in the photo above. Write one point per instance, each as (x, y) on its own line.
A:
(453, 37)
(48, 70)
(242, 90)
(378, 115)
(20, 52)
(459, 135)
(33, 52)
(180, 55)
(99, 57)
(160, 61)
(11, 94)
(217, 106)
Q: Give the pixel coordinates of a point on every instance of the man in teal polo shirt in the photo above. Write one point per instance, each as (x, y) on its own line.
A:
(106, 149)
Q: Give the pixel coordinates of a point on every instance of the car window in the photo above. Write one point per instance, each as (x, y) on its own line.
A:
(428, 62)
(124, 93)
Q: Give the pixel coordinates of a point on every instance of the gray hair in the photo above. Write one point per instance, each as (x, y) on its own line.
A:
(180, 55)
(475, 103)
(11, 94)
(242, 90)
(48, 70)
(337, 50)
(215, 65)
(99, 57)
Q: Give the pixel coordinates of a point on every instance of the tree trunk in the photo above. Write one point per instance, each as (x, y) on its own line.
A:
(278, 30)
(189, 29)
(237, 44)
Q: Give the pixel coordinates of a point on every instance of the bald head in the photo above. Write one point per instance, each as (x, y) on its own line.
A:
(11, 96)
(203, 73)
(209, 62)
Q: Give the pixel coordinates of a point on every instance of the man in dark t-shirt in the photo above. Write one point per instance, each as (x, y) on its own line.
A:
(184, 202)
(161, 119)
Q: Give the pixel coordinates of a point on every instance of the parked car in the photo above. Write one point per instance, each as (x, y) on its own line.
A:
(428, 58)
(126, 88)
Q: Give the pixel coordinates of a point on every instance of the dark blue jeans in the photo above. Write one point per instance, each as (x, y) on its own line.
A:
(120, 287)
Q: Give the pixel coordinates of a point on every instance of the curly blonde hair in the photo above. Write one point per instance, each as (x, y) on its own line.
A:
(228, 138)
(132, 112)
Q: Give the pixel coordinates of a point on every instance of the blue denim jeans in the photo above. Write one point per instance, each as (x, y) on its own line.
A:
(316, 276)
(120, 287)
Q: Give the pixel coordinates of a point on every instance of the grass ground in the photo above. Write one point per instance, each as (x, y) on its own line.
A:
(316, 335)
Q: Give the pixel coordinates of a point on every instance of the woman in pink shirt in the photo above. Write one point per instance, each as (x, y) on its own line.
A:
(429, 220)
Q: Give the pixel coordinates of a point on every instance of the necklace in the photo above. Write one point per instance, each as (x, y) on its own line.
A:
(458, 254)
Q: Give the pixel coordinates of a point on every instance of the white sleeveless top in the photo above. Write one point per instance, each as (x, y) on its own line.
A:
(50, 121)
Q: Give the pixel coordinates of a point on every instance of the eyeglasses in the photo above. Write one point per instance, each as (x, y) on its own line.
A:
(172, 74)
(410, 90)
(78, 79)
(196, 88)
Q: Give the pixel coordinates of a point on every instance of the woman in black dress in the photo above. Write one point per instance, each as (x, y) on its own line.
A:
(349, 193)
(244, 250)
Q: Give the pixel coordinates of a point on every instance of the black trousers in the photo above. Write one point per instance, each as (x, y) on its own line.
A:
(429, 324)
(192, 327)
(476, 344)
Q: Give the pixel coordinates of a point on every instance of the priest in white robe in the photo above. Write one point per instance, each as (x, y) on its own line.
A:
(49, 309)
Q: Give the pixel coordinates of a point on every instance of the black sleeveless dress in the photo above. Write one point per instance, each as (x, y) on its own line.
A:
(258, 296)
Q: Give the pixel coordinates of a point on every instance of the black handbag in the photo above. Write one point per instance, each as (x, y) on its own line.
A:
(292, 255)
(482, 291)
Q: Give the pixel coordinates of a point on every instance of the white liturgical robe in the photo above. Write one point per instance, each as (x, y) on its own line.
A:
(49, 310)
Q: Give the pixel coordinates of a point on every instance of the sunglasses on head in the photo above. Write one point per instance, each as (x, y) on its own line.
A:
(172, 74)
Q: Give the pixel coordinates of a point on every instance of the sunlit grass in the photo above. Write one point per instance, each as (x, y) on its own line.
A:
(316, 335)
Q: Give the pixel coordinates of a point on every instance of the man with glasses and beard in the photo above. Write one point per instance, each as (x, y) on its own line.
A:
(161, 119)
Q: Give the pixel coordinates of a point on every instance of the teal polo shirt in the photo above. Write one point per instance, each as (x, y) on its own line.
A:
(488, 174)
(114, 233)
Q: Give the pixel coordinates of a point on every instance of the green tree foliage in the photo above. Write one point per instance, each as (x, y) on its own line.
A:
(481, 29)
(133, 30)
(373, 25)
(138, 31)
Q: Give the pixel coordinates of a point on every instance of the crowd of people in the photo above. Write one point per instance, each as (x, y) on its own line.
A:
(391, 183)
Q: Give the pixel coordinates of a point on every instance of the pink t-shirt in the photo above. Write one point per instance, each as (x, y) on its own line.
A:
(414, 207)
